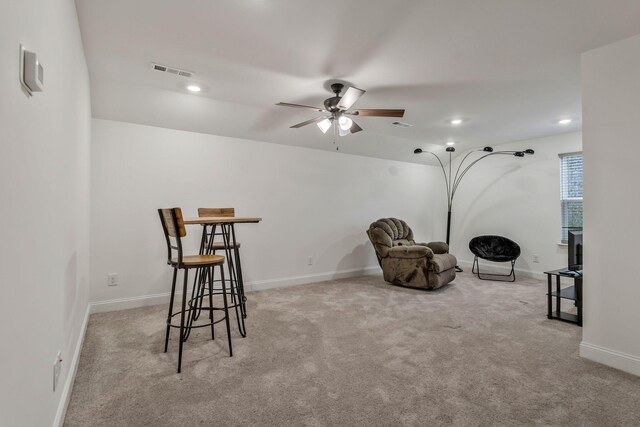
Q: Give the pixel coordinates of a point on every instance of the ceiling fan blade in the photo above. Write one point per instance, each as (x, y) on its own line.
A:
(286, 104)
(355, 128)
(375, 112)
(350, 97)
(308, 122)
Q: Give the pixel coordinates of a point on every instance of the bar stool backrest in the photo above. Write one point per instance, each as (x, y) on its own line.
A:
(225, 212)
(173, 227)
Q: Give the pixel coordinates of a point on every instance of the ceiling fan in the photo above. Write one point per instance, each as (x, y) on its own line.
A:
(337, 108)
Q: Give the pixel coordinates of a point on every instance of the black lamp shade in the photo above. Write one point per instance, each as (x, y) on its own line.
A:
(417, 151)
(488, 149)
(451, 149)
(529, 151)
(519, 154)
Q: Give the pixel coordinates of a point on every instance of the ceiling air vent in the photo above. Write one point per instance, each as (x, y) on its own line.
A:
(171, 70)
(401, 124)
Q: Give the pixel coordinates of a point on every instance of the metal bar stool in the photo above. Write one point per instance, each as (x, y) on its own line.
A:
(209, 245)
(173, 227)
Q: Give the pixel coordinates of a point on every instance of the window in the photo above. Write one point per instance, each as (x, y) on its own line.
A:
(570, 193)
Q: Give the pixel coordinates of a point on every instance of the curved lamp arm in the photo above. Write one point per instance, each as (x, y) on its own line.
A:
(452, 183)
(444, 173)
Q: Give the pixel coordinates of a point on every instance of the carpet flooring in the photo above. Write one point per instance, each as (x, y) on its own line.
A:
(355, 352)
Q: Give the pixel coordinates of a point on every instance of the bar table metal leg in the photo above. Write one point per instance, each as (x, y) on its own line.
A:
(237, 294)
(243, 298)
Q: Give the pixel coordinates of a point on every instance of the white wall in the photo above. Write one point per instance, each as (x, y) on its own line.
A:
(313, 203)
(518, 198)
(44, 171)
(611, 115)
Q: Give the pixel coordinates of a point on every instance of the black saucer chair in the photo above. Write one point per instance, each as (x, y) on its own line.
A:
(495, 249)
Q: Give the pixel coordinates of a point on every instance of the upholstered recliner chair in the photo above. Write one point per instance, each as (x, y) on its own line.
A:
(407, 263)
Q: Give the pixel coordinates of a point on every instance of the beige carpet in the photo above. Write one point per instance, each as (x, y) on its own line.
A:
(356, 352)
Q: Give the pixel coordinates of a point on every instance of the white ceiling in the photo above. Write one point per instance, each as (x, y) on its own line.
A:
(511, 68)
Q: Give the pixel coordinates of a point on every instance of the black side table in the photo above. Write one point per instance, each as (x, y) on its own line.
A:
(573, 293)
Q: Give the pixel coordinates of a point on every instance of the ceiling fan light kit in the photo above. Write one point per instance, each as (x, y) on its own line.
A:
(324, 125)
(338, 108)
(345, 123)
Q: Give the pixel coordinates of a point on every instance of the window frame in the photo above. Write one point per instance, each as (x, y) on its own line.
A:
(563, 231)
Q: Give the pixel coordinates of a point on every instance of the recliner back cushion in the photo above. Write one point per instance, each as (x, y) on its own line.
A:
(388, 232)
(395, 228)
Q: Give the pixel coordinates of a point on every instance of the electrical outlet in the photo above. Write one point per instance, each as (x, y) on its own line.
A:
(112, 279)
(309, 260)
(536, 258)
(57, 368)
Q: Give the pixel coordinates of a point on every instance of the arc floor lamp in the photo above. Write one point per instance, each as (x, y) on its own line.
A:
(452, 182)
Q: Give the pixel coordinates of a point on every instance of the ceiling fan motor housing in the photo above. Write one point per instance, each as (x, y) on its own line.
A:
(331, 104)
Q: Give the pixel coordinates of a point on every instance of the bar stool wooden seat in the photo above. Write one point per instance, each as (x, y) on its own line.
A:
(173, 227)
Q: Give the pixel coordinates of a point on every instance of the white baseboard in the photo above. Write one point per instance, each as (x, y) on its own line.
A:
(259, 285)
(615, 359)
(65, 397)
(131, 302)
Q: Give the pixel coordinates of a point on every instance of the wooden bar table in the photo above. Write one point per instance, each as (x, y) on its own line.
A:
(227, 227)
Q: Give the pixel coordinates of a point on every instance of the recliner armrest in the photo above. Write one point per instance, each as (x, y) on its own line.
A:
(436, 247)
(414, 251)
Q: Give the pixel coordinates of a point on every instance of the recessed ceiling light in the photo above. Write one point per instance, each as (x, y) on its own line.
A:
(193, 88)
(564, 121)
(456, 122)
(451, 143)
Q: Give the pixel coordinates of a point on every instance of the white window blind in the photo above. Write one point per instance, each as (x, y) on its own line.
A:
(570, 193)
